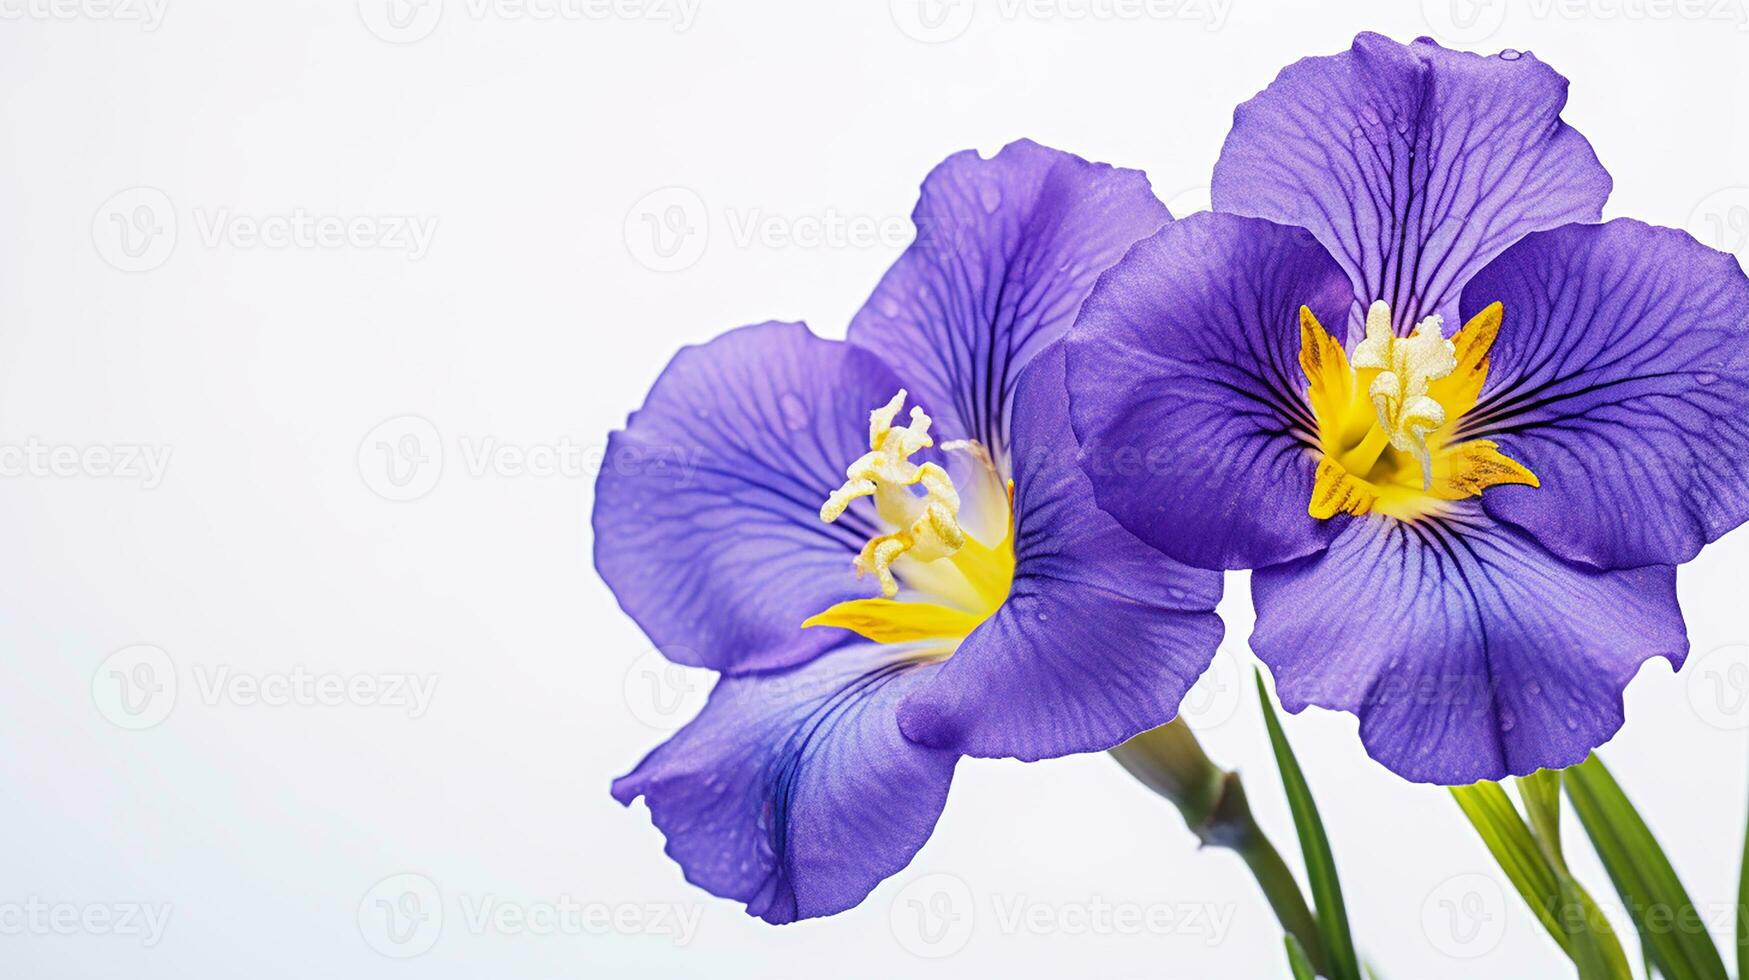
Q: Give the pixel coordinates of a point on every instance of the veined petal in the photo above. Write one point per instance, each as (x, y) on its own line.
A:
(1467, 650)
(1621, 379)
(1414, 165)
(707, 510)
(794, 791)
(1187, 392)
(1006, 250)
(1101, 635)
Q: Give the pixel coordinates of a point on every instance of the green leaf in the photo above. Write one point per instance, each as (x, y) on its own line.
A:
(1743, 912)
(1315, 848)
(1296, 959)
(1516, 851)
(1671, 931)
(1541, 792)
(1537, 870)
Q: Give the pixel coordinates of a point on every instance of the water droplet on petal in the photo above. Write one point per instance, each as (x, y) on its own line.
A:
(990, 198)
(1706, 377)
(1511, 54)
(1043, 616)
(1506, 722)
(795, 414)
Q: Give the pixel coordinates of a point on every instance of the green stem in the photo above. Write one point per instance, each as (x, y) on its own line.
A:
(1170, 761)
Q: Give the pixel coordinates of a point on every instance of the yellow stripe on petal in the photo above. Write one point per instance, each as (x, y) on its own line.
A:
(1468, 468)
(1326, 367)
(1338, 492)
(889, 621)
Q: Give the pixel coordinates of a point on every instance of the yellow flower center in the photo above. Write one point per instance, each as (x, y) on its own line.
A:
(938, 581)
(1387, 420)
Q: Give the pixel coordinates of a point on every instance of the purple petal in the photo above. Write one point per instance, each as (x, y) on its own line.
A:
(1621, 379)
(1006, 250)
(794, 792)
(1101, 635)
(1188, 396)
(1414, 165)
(707, 523)
(1467, 651)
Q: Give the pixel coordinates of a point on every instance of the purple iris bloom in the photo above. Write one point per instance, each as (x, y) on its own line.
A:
(1462, 432)
(885, 593)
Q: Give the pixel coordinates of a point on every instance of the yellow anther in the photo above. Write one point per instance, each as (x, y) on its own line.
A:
(1407, 366)
(1386, 418)
(929, 524)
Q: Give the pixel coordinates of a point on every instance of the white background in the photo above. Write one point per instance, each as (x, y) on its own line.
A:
(534, 318)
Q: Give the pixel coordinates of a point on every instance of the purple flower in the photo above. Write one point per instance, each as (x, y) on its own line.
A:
(875, 604)
(1464, 535)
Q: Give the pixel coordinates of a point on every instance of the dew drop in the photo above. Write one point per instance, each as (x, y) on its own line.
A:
(1572, 724)
(1511, 54)
(1533, 689)
(1706, 377)
(795, 414)
(1043, 616)
(1506, 723)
